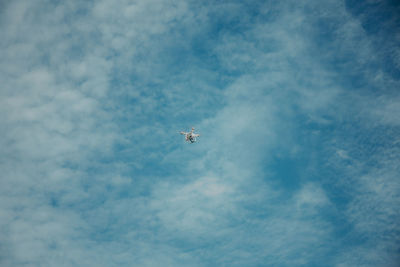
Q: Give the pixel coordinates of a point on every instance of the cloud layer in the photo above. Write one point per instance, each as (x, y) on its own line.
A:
(296, 104)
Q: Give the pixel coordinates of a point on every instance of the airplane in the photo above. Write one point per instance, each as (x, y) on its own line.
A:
(190, 136)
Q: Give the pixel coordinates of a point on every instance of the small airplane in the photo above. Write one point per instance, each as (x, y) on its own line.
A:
(190, 136)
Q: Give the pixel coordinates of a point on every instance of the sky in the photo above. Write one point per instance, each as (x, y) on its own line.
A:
(298, 107)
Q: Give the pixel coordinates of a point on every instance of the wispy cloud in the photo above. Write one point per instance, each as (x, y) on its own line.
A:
(296, 164)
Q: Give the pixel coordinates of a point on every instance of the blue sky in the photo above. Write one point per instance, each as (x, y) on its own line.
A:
(297, 104)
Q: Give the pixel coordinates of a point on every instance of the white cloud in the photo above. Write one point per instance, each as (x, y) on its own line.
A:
(92, 96)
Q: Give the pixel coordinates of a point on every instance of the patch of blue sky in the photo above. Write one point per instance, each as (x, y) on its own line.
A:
(296, 103)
